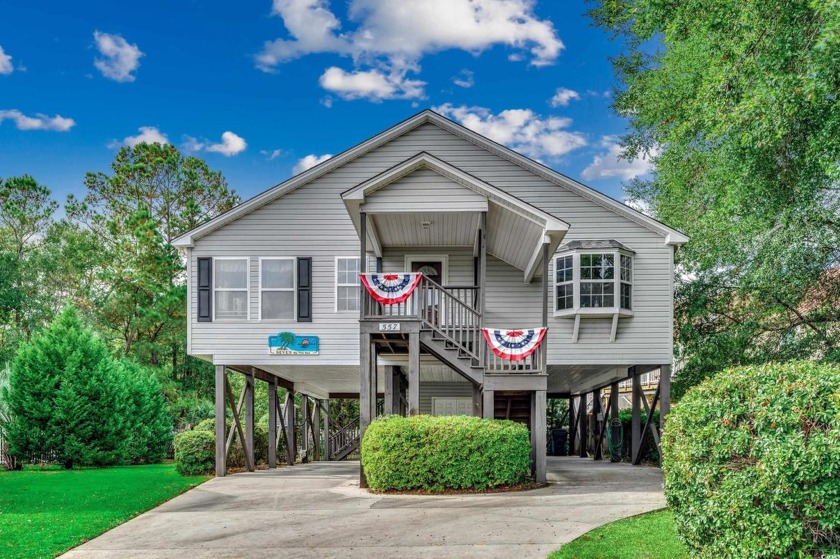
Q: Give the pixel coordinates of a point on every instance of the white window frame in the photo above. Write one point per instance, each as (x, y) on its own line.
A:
(247, 287)
(567, 282)
(582, 281)
(357, 285)
(594, 312)
(293, 289)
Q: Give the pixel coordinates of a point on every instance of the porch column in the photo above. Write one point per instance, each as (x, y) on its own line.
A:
(272, 424)
(326, 419)
(538, 422)
(388, 408)
(304, 427)
(374, 379)
(636, 421)
(599, 424)
(221, 455)
(545, 285)
(572, 425)
(316, 430)
(249, 421)
(615, 432)
(488, 408)
(364, 393)
(664, 394)
(482, 284)
(290, 425)
(476, 400)
(414, 373)
(582, 426)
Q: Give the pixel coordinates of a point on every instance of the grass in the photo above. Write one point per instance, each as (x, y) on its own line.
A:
(647, 536)
(46, 512)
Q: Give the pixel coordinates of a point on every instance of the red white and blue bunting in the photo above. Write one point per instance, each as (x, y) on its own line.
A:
(514, 345)
(390, 289)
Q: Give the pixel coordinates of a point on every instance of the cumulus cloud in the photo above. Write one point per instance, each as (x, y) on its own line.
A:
(464, 78)
(6, 66)
(519, 129)
(147, 135)
(308, 162)
(563, 96)
(231, 144)
(40, 121)
(119, 58)
(610, 164)
(393, 37)
(375, 85)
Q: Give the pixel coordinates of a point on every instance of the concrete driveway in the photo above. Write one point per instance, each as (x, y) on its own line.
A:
(318, 510)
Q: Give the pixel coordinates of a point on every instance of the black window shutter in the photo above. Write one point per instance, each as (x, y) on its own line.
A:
(205, 289)
(304, 289)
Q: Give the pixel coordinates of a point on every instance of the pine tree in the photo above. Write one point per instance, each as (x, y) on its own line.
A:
(150, 430)
(67, 397)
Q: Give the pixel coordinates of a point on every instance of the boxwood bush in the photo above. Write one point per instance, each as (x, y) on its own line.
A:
(439, 453)
(195, 452)
(752, 462)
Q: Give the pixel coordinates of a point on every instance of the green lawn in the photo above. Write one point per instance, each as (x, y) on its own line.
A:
(44, 513)
(648, 536)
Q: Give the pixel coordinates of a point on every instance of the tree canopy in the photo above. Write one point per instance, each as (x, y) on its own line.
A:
(737, 102)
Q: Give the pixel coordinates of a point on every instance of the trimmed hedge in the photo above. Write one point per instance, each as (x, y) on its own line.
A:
(195, 453)
(449, 452)
(752, 462)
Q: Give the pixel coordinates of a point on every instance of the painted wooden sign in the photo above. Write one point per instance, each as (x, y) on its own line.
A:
(289, 343)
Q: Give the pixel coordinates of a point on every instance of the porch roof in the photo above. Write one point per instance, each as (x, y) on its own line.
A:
(516, 231)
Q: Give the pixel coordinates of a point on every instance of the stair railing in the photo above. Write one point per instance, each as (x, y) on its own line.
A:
(450, 314)
(344, 438)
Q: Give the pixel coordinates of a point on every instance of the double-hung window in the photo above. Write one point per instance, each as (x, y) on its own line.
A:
(597, 280)
(346, 284)
(277, 288)
(230, 288)
(626, 282)
(565, 284)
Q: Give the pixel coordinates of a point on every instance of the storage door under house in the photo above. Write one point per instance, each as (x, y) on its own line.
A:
(451, 406)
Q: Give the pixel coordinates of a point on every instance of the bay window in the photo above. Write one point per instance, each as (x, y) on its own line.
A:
(593, 278)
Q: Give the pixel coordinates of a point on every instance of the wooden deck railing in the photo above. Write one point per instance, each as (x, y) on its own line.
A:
(531, 364)
(344, 438)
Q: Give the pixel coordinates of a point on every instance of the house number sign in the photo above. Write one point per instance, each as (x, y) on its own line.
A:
(389, 326)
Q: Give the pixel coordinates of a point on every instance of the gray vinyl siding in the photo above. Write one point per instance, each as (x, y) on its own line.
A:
(313, 221)
(429, 390)
(425, 191)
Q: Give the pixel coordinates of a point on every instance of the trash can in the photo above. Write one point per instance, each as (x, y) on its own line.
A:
(559, 442)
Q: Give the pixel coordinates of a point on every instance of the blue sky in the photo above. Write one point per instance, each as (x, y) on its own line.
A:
(261, 89)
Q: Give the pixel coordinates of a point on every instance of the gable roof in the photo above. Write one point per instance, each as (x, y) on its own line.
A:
(672, 236)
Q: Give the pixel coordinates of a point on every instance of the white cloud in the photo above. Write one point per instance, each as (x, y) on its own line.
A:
(519, 129)
(6, 66)
(308, 162)
(231, 144)
(394, 36)
(119, 57)
(147, 135)
(464, 78)
(371, 84)
(40, 121)
(609, 164)
(563, 96)
(271, 155)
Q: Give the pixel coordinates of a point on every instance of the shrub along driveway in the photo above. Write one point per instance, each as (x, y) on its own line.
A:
(317, 510)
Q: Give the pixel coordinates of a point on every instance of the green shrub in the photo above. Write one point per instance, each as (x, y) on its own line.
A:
(236, 456)
(752, 462)
(150, 426)
(450, 452)
(195, 453)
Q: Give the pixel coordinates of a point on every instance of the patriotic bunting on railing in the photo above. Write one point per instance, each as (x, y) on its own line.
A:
(514, 345)
(391, 289)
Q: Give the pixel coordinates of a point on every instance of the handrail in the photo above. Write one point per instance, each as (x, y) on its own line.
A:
(450, 317)
(344, 437)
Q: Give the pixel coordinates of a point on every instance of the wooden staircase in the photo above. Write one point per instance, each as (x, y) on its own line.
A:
(344, 441)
